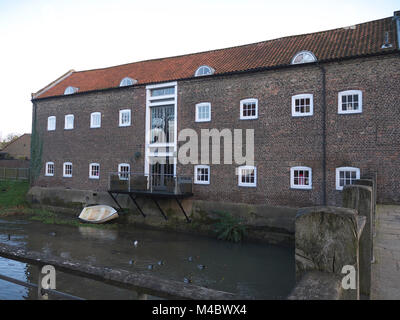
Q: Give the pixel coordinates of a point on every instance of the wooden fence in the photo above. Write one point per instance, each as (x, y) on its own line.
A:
(14, 173)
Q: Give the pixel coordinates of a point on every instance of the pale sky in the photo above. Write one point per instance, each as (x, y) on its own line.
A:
(41, 39)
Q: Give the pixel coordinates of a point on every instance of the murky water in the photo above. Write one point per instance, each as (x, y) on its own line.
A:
(257, 270)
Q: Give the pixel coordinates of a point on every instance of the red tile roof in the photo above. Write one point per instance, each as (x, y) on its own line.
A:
(361, 39)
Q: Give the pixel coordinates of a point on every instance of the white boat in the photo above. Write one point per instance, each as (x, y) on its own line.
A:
(98, 214)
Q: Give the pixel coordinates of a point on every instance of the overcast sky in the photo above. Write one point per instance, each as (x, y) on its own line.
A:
(40, 39)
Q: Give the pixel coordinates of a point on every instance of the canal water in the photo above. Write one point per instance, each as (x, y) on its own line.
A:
(255, 270)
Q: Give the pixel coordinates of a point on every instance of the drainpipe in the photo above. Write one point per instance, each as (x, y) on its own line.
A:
(323, 73)
(396, 17)
(32, 139)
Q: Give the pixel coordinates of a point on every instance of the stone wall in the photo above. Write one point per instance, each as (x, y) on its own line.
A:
(264, 223)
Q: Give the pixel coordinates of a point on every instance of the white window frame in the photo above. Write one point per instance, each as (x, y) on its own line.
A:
(197, 73)
(296, 186)
(90, 171)
(120, 118)
(91, 120)
(302, 96)
(249, 100)
(240, 174)
(49, 128)
(304, 52)
(127, 81)
(203, 104)
(70, 90)
(65, 175)
(338, 170)
(350, 92)
(119, 170)
(66, 121)
(48, 174)
(195, 174)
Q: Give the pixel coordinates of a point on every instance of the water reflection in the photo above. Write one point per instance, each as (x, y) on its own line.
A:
(256, 270)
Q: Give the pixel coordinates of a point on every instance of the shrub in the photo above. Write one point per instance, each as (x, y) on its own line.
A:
(229, 228)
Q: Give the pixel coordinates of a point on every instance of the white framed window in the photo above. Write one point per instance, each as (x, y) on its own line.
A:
(346, 175)
(204, 71)
(69, 122)
(304, 57)
(95, 120)
(248, 109)
(124, 118)
(202, 174)
(203, 112)
(127, 82)
(247, 176)
(67, 170)
(70, 90)
(302, 105)
(301, 178)
(51, 123)
(350, 101)
(94, 171)
(49, 169)
(124, 169)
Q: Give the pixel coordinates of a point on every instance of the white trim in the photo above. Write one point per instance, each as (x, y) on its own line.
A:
(47, 174)
(65, 121)
(350, 92)
(196, 74)
(302, 52)
(64, 174)
(149, 103)
(70, 90)
(249, 100)
(48, 123)
(302, 96)
(296, 186)
(119, 170)
(200, 166)
(239, 174)
(133, 81)
(338, 170)
(90, 171)
(203, 104)
(120, 117)
(91, 120)
(51, 85)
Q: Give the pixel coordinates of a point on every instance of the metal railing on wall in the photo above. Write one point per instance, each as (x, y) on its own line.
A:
(14, 173)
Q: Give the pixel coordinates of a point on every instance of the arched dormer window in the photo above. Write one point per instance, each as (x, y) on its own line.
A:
(304, 57)
(70, 90)
(127, 82)
(204, 71)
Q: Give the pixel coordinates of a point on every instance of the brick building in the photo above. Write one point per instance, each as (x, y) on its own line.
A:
(324, 108)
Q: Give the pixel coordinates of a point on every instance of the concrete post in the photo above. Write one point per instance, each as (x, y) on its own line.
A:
(326, 240)
(360, 198)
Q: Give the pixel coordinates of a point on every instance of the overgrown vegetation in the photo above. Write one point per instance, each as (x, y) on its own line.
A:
(36, 153)
(13, 203)
(229, 227)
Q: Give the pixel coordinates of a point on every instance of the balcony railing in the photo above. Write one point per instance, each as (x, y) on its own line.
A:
(150, 183)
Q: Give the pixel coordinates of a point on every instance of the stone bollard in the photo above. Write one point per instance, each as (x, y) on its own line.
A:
(360, 198)
(326, 239)
(371, 183)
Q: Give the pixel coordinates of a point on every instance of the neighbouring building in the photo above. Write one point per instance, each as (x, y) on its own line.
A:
(324, 108)
(20, 148)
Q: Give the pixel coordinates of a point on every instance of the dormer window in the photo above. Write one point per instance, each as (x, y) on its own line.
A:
(127, 82)
(70, 90)
(304, 57)
(204, 71)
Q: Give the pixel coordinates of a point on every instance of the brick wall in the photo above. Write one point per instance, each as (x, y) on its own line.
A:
(368, 140)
